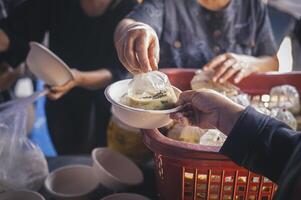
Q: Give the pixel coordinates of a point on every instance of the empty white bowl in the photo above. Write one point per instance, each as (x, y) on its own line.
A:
(114, 170)
(74, 182)
(135, 117)
(125, 196)
(48, 67)
(21, 195)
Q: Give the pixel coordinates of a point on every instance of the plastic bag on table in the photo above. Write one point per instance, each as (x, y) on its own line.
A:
(23, 165)
(150, 91)
(285, 96)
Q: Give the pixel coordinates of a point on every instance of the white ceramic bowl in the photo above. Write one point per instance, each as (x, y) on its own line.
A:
(48, 67)
(135, 117)
(21, 195)
(114, 170)
(74, 182)
(125, 196)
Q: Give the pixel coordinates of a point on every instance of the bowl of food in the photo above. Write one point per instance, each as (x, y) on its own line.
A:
(114, 170)
(144, 102)
(76, 182)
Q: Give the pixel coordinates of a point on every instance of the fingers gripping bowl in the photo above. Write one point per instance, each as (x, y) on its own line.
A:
(137, 117)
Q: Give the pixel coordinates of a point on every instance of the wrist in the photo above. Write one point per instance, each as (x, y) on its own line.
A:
(228, 117)
(78, 78)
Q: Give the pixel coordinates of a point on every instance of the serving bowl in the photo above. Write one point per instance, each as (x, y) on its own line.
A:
(73, 182)
(114, 170)
(21, 195)
(135, 117)
(47, 66)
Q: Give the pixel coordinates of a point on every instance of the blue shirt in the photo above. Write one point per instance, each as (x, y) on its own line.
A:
(190, 35)
(266, 146)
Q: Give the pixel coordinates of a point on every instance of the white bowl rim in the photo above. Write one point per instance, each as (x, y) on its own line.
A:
(122, 194)
(125, 107)
(108, 173)
(24, 190)
(48, 188)
(51, 54)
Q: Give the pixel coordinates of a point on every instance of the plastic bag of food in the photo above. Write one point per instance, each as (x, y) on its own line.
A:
(285, 96)
(23, 165)
(203, 79)
(213, 137)
(190, 134)
(150, 91)
(242, 99)
(285, 116)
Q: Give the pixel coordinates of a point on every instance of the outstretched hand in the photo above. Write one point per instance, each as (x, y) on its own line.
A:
(56, 92)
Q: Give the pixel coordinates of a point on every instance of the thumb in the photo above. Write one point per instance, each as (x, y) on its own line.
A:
(186, 97)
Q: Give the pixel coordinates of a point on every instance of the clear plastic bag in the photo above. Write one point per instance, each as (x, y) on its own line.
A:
(213, 137)
(285, 96)
(203, 79)
(285, 116)
(23, 165)
(150, 91)
(190, 134)
(242, 99)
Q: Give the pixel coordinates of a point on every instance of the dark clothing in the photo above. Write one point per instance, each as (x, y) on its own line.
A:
(297, 31)
(78, 122)
(191, 35)
(85, 43)
(5, 96)
(282, 24)
(266, 146)
(5, 7)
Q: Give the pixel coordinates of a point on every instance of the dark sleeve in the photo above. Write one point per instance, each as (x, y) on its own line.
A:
(265, 42)
(261, 144)
(27, 22)
(150, 12)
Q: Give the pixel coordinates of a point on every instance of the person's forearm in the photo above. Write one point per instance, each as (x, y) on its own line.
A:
(262, 64)
(261, 144)
(4, 41)
(94, 79)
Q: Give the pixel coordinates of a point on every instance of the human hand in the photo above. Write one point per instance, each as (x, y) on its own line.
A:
(208, 109)
(230, 65)
(56, 92)
(137, 46)
(8, 75)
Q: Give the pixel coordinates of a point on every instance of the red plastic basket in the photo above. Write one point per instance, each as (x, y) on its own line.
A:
(184, 171)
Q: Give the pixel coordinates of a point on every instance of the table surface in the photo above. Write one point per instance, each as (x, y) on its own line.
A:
(148, 188)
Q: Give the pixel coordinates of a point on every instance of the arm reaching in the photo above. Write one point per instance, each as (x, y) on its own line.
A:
(255, 141)
(236, 66)
(137, 46)
(88, 80)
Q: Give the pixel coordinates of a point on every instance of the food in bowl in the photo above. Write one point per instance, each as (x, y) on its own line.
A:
(136, 117)
(150, 91)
